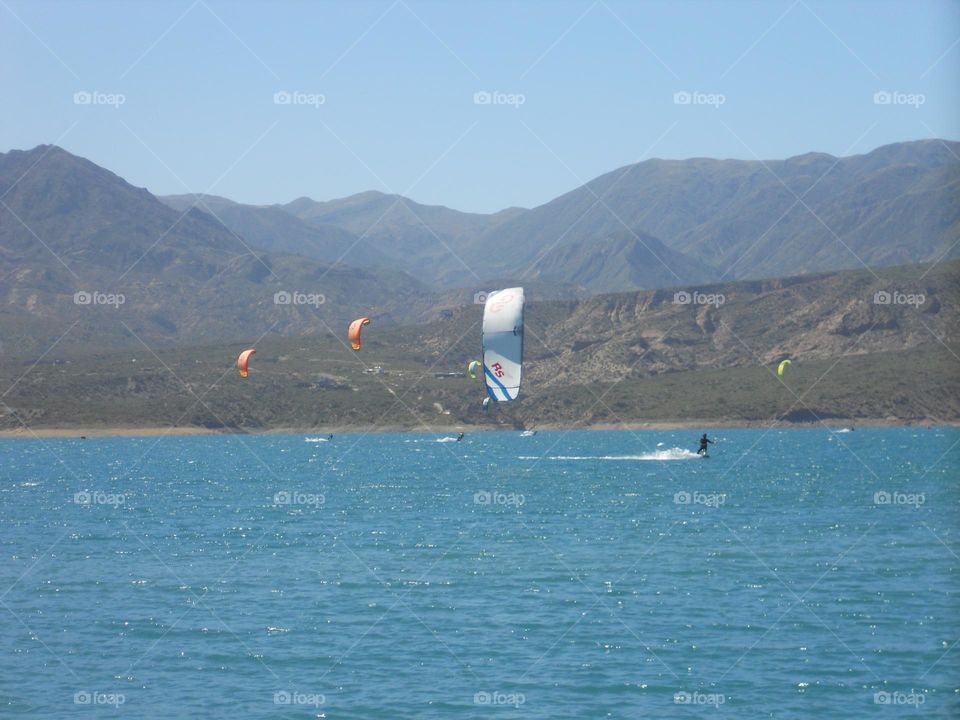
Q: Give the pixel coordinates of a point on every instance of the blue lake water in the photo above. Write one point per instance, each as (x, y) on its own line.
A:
(794, 573)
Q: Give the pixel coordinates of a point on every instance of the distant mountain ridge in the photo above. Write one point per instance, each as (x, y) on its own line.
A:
(269, 227)
(68, 226)
(726, 219)
(204, 267)
(897, 204)
(420, 238)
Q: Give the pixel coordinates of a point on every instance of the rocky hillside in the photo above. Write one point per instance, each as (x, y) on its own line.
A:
(746, 323)
(88, 258)
(864, 348)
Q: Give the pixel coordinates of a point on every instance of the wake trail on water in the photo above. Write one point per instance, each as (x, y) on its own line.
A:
(433, 440)
(671, 454)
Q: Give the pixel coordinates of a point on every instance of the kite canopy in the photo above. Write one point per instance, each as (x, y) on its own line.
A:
(472, 368)
(503, 343)
(353, 332)
(243, 361)
(782, 367)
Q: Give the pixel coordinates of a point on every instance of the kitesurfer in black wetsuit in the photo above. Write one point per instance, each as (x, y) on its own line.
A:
(459, 437)
(703, 445)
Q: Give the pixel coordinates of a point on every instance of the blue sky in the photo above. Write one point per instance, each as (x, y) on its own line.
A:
(384, 94)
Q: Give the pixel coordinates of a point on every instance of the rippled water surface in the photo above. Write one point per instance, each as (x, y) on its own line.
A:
(794, 573)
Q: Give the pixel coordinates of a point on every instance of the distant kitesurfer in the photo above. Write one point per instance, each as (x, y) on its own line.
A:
(703, 445)
(460, 437)
(330, 436)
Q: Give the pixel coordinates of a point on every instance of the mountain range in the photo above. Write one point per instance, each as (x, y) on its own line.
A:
(201, 267)
(82, 248)
(661, 223)
(754, 219)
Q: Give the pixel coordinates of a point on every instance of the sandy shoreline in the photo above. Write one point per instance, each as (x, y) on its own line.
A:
(183, 431)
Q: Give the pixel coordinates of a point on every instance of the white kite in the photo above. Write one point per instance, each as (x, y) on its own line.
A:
(503, 343)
